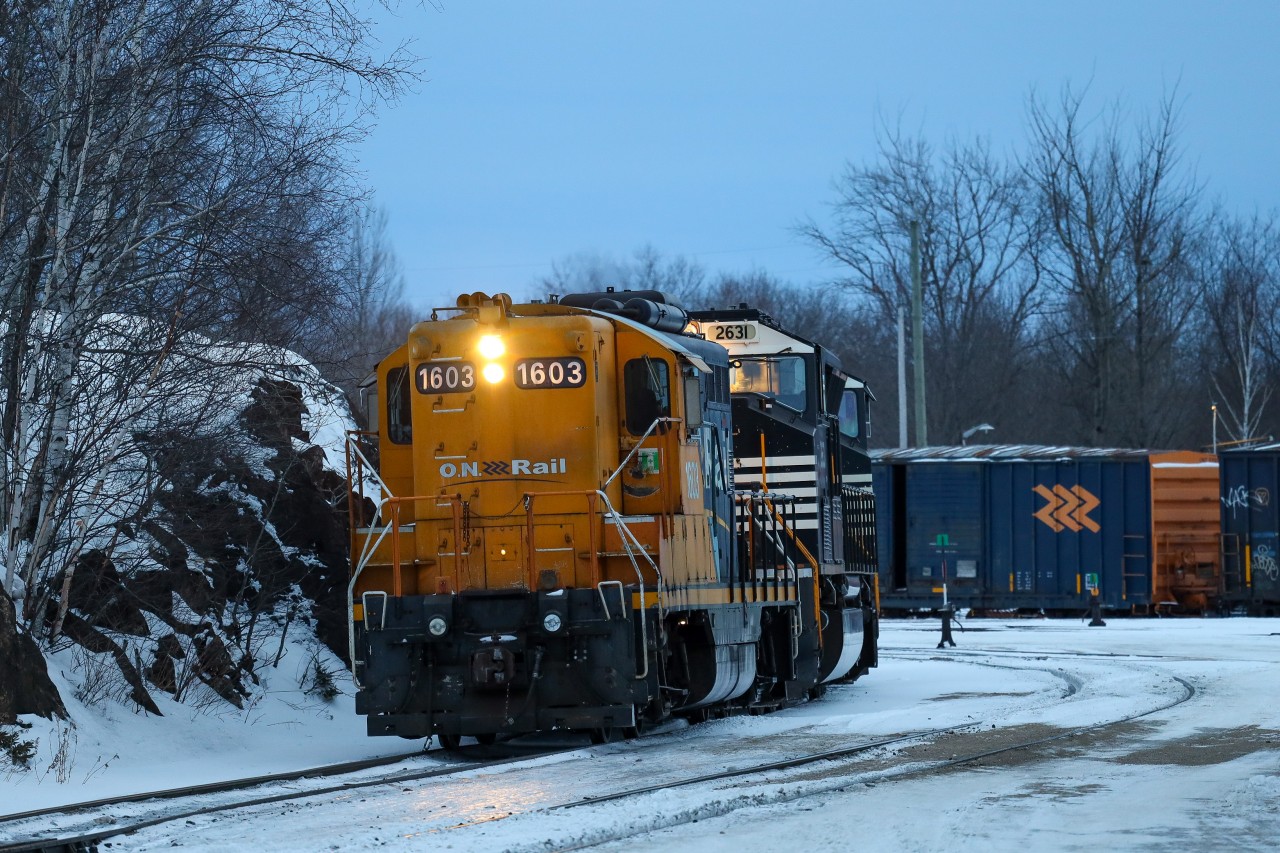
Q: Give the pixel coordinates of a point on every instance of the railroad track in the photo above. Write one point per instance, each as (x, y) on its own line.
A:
(1029, 654)
(778, 792)
(769, 783)
(760, 798)
(212, 787)
(807, 775)
(96, 828)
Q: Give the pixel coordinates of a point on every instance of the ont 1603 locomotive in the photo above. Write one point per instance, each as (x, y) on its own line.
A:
(600, 511)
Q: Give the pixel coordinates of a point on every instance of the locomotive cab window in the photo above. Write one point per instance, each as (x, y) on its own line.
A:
(648, 393)
(849, 421)
(399, 422)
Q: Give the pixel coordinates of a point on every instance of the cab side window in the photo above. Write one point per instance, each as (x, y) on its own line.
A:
(648, 393)
(399, 422)
(850, 423)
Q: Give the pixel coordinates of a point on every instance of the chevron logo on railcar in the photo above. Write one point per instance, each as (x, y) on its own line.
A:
(1067, 509)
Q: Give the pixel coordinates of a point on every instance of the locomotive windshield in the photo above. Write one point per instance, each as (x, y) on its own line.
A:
(779, 377)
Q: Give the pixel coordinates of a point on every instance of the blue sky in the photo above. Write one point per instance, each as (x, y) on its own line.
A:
(708, 129)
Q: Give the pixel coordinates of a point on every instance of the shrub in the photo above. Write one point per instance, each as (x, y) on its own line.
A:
(14, 749)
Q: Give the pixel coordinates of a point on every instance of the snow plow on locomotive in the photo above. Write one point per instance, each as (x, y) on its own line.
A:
(553, 536)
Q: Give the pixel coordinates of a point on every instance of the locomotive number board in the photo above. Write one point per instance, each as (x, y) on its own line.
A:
(550, 373)
(443, 377)
(733, 332)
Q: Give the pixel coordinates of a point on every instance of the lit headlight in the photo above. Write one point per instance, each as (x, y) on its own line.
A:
(552, 622)
(437, 626)
(493, 372)
(491, 346)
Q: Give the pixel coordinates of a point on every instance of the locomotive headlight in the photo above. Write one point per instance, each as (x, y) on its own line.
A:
(552, 622)
(437, 626)
(493, 373)
(491, 346)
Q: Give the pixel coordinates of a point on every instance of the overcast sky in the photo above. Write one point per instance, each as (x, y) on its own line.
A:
(709, 129)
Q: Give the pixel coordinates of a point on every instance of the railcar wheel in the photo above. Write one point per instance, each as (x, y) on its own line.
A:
(606, 734)
(638, 730)
(487, 739)
(449, 742)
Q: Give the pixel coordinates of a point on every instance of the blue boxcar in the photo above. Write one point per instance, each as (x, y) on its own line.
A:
(1037, 528)
(1250, 523)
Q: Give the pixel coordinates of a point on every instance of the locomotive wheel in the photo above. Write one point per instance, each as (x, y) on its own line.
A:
(638, 730)
(486, 739)
(606, 734)
(449, 742)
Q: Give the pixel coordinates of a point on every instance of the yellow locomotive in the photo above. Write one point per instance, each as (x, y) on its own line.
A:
(589, 514)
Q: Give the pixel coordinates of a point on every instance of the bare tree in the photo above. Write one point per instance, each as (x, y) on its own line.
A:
(646, 269)
(375, 317)
(179, 162)
(1119, 219)
(1240, 273)
(977, 250)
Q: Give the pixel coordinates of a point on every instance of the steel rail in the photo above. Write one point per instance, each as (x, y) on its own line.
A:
(785, 764)
(799, 761)
(828, 755)
(759, 799)
(1038, 654)
(214, 787)
(89, 840)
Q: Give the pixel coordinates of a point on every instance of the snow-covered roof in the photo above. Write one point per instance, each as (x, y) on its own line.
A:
(1268, 447)
(991, 452)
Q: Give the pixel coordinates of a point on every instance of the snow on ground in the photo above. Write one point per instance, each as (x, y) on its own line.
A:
(124, 750)
(1202, 775)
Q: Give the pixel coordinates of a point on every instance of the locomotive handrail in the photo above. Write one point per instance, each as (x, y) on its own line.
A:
(629, 541)
(355, 485)
(639, 442)
(630, 544)
(769, 501)
(750, 499)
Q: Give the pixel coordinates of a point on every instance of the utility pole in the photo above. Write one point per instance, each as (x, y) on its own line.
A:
(917, 337)
(902, 373)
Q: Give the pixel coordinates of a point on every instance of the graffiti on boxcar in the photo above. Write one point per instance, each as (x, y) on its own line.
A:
(1264, 563)
(1239, 497)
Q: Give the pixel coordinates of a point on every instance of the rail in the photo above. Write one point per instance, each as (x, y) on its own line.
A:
(764, 535)
(630, 546)
(639, 442)
(386, 521)
(359, 468)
